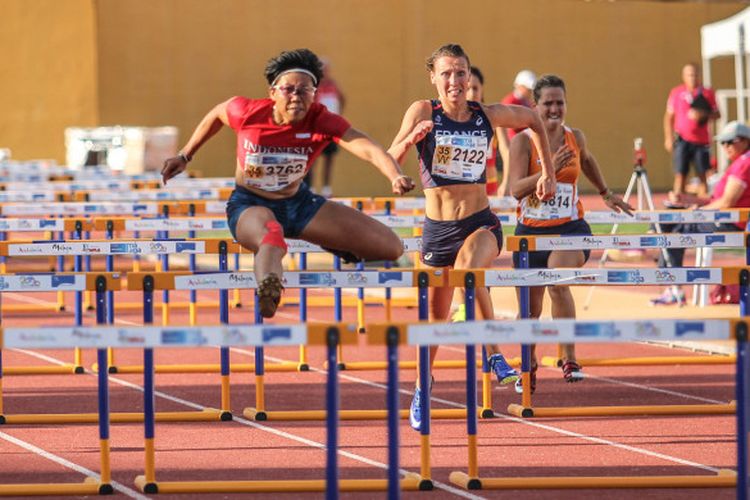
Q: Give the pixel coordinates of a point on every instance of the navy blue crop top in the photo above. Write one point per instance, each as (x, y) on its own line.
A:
(455, 152)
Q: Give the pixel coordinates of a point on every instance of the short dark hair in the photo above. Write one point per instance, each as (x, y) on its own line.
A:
(450, 50)
(478, 73)
(547, 81)
(291, 59)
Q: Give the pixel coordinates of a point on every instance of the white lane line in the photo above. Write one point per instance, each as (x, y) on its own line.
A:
(653, 389)
(550, 428)
(449, 403)
(70, 465)
(261, 427)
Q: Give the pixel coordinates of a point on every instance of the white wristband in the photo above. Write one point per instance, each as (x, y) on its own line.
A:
(184, 157)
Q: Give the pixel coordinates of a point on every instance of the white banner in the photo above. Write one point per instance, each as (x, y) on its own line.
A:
(107, 248)
(80, 209)
(27, 225)
(566, 330)
(300, 279)
(147, 336)
(42, 282)
(716, 240)
(182, 224)
(605, 276)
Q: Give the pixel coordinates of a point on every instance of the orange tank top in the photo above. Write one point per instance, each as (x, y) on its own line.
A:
(565, 206)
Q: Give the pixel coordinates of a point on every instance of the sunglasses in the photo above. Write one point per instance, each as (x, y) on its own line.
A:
(287, 90)
(733, 141)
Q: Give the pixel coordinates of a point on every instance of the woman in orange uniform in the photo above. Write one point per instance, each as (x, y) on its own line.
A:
(561, 214)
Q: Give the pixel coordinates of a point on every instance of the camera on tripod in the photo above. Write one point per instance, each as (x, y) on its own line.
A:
(639, 154)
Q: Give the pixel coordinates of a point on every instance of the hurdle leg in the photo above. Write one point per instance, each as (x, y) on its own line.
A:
(387, 302)
(524, 304)
(741, 389)
(77, 265)
(259, 412)
(360, 303)
(741, 392)
(103, 389)
(338, 312)
(226, 407)
(109, 265)
(236, 300)
(394, 487)
(425, 379)
(303, 364)
(165, 294)
(332, 416)
(486, 387)
(2, 414)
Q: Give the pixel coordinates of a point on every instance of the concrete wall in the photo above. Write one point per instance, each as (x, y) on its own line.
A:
(48, 73)
(168, 62)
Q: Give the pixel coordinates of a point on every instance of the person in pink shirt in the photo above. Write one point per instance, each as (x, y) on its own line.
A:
(732, 191)
(523, 86)
(690, 109)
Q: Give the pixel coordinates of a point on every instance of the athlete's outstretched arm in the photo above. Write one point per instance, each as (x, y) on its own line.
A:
(361, 146)
(208, 126)
(520, 182)
(416, 124)
(590, 168)
(512, 116)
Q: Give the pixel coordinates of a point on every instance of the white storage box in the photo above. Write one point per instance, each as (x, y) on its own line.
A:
(132, 150)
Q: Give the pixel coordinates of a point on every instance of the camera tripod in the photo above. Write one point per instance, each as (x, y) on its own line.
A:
(645, 201)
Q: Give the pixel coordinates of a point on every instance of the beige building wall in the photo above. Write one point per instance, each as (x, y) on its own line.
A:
(48, 74)
(140, 62)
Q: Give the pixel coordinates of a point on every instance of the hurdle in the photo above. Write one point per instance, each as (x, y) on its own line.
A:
(422, 279)
(53, 282)
(294, 335)
(100, 282)
(146, 337)
(29, 339)
(664, 276)
(111, 248)
(611, 276)
(535, 331)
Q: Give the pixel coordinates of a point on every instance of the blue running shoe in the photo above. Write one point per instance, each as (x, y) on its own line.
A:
(505, 373)
(415, 410)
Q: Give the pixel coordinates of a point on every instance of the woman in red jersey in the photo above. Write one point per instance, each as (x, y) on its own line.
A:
(561, 214)
(278, 139)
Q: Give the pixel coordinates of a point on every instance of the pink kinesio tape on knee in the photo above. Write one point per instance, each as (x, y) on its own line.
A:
(274, 236)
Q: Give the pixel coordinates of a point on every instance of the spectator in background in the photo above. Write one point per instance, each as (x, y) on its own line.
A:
(732, 191)
(494, 159)
(329, 95)
(521, 95)
(690, 109)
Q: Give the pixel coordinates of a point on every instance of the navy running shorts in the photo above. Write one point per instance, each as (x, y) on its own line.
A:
(442, 240)
(538, 260)
(292, 213)
(684, 153)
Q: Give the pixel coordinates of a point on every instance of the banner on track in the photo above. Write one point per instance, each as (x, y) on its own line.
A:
(627, 276)
(566, 330)
(107, 336)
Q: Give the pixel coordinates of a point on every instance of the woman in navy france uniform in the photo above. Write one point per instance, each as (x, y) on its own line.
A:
(452, 136)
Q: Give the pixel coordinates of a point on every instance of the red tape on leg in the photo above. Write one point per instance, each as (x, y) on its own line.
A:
(274, 236)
